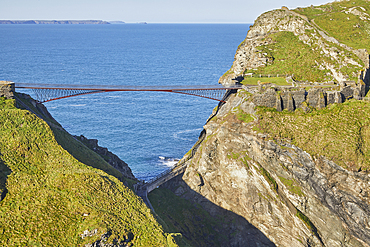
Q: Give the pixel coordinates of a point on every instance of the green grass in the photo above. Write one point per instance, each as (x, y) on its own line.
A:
(52, 197)
(243, 116)
(233, 155)
(307, 222)
(292, 56)
(292, 186)
(268, 178)
(24, 98)
(347, 29)
(279, 81)
(85, 155)
(340, 132)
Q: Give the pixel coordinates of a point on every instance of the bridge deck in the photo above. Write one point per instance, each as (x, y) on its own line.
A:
(108, 88)
(48, 92)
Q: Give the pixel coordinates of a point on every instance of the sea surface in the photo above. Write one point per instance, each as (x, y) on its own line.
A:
(148, 130)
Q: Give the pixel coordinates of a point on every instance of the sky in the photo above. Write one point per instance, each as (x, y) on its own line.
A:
(151, 11)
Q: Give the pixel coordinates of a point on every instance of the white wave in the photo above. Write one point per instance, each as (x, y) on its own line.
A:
(78, 105)
(169, 162)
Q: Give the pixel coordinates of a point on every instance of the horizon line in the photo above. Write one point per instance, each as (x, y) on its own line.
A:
(124, 22)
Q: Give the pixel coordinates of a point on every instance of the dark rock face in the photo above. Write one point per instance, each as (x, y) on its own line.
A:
(108, 156)
(7, 89)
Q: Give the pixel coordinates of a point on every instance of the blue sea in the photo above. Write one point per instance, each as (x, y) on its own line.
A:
(148, 130)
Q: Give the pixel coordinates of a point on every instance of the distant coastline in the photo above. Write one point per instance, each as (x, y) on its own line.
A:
(54, 22)
(99, 22)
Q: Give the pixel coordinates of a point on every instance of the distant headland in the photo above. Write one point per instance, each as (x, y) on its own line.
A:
(54, 22)
(63, 22)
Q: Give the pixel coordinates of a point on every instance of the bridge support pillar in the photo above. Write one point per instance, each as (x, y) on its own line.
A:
(7, 89)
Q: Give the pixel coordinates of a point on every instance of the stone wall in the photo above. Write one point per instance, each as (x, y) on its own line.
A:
(7, 89)
(291, 98)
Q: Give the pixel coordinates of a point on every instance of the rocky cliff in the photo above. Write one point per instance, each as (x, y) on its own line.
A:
(289, 178)
(307, 43)
(293, 197)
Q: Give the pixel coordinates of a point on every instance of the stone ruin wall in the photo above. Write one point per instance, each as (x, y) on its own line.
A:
(7, 89)
(317, 97)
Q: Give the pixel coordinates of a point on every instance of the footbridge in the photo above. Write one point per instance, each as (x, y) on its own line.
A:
(49, 92)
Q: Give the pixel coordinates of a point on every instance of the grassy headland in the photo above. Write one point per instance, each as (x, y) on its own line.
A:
(50, 198)
(344, 20)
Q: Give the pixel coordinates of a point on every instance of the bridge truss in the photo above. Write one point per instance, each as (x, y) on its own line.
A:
(49, 92)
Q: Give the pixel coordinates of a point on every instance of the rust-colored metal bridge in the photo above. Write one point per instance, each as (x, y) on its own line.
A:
(49, 92)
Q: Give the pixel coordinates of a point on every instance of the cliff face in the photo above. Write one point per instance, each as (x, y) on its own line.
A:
(301, 178)
(292, 197)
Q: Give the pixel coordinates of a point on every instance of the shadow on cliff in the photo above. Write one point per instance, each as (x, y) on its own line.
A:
(201, 222)
(4, 173)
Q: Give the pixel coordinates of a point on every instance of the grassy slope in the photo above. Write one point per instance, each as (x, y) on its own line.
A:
(347, 29)
(49, 191)
(292, 56)
(77, 149)
(279, 81)
(340, 132)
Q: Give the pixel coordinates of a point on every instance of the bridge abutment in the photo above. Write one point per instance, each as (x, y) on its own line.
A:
(7, 89)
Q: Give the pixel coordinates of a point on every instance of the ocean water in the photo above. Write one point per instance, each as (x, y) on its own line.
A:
(148, 130)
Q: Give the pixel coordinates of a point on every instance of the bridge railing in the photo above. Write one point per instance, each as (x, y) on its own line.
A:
(160, 175)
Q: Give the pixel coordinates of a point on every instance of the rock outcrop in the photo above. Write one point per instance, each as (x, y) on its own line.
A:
(108, 156)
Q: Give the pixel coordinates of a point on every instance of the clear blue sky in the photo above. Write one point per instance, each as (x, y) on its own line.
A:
(151, 11)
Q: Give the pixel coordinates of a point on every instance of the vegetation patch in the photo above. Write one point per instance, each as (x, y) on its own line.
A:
(268, 178)
(52, 198)
(234, 156)
(340, 132)
(292, 186)
(290, 56)
(279, 81)
(347, 28)
(243, 116)
(245, 160)
(308, 223)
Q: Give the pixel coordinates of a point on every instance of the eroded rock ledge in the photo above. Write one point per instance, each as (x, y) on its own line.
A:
(108, 156)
